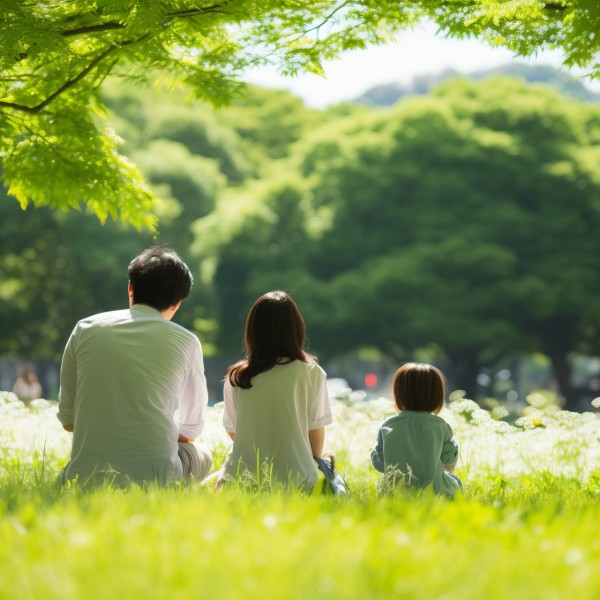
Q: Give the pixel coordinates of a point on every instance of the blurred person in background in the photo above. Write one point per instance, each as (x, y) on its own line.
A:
(27, 385)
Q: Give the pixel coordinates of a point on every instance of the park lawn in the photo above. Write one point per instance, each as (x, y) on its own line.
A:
(526, 526)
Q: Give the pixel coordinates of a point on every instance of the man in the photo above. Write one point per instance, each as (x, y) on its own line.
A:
(132, 384)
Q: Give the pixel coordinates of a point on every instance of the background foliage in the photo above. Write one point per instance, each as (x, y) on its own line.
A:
(461, 222)
(56, 148)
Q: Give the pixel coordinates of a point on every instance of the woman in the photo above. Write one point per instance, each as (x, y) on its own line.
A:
(276, 401)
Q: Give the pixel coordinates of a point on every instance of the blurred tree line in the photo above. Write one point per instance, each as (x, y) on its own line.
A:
(463, 224)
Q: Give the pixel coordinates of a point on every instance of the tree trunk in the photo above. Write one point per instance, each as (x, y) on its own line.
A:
(462, 374)
(556, 337)
(562, 372)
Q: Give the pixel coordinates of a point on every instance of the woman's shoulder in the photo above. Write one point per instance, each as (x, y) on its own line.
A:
(315, 369)
(311, 365)
(309, 370)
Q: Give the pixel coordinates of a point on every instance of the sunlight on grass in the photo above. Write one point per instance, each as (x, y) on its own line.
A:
(524, 528)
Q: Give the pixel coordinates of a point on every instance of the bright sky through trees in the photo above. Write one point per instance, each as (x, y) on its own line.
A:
(417, 52)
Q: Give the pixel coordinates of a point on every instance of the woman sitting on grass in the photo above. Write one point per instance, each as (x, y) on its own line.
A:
(416, 445)
(276, 401)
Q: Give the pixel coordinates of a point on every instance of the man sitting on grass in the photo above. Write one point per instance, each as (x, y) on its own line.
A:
(132, 384)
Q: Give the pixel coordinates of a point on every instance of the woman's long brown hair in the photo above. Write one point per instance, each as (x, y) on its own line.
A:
(274, 334)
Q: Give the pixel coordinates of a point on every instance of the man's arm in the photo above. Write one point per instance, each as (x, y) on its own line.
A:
(230, 410)
(68, 386)
(193, 400)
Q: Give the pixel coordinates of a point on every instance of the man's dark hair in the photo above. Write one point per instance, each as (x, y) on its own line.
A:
(159, 278)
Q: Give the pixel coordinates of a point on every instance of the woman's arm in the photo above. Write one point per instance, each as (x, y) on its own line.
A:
(316, 437)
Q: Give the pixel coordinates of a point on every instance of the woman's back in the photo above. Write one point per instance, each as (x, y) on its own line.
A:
(272, 418)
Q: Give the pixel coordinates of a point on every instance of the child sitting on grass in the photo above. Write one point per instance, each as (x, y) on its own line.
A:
(416, 443)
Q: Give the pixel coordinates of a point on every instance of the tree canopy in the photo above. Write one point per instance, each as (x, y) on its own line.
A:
(464, 220)
(461, 224)
(54, 55)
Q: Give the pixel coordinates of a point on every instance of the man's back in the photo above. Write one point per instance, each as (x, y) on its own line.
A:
(131, 381)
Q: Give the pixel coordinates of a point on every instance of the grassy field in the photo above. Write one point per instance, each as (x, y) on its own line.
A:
(526, 526)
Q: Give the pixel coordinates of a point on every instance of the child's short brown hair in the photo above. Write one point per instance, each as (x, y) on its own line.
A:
(419, 387)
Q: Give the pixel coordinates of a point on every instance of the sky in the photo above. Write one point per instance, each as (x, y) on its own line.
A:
(418, 52)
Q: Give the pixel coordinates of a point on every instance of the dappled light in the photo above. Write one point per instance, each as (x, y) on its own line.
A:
(452, 222)
(532, 485)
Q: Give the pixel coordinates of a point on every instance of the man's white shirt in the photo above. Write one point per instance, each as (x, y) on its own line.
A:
(130, 382)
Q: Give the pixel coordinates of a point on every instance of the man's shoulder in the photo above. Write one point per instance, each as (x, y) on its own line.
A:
(109, 317)
(182, 331)
(151, 324)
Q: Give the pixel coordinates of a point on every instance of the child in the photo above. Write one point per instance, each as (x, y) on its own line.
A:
(416, 441)
(276, 401)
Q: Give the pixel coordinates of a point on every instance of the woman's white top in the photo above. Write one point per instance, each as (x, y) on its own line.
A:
(271, 421)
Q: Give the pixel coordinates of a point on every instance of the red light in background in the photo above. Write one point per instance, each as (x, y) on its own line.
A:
(370, 380)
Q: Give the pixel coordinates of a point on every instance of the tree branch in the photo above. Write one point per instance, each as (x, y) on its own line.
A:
(100, 27)
(325, 20)
(92, 28)
(71, 82)
(194, 12)
(555, 6)
(110, 25)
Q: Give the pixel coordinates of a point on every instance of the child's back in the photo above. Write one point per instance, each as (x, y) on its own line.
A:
(420, 445)
(416, 441)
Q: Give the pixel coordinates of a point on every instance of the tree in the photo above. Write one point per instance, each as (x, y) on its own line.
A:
(143, 117)
(56, 268)
(188, 184)
(528, 26)
(266, 251)
(270, 119)
(465, 220)
(490, 208)
(54, 55)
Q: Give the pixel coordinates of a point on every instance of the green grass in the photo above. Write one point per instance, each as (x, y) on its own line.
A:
(526, 526)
